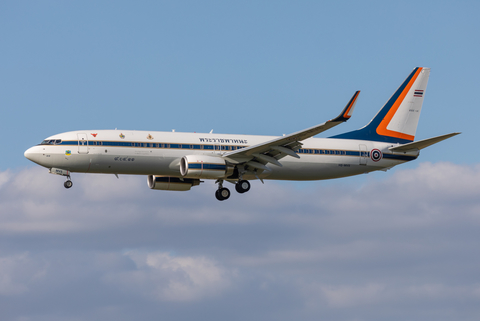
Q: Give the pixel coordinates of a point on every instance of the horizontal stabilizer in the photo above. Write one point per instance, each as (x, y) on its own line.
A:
(421, 144)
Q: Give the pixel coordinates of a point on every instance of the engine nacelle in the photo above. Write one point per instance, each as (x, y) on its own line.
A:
(203, 166)
(166, 183)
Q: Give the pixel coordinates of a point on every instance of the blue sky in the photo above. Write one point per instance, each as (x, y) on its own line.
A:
(397, 245)
(258, 68)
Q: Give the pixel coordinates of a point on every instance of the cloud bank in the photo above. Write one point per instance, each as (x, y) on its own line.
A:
(402, 247)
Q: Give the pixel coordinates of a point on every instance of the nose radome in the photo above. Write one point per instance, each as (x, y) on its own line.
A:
(34, 154)
(29, 154)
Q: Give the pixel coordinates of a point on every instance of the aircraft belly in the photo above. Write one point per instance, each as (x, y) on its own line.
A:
(308, 171)
(319, 170)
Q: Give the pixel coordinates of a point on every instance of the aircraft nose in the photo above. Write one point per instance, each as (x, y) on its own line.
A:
(33, 154)
(29, 154)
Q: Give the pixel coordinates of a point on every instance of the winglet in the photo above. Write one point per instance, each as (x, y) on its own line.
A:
(348, 110)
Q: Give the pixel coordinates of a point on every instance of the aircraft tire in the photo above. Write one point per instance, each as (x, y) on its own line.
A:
(68, 184)
(242, 186)
(222, 194)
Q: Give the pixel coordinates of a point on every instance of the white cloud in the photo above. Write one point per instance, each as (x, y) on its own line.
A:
(4, 177)
(17, 272)
(346, 296)
(407, 240)
(391, 294)
(161, 276)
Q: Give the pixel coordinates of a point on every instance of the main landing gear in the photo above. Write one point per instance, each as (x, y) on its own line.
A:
(223, 193)
(242, 186)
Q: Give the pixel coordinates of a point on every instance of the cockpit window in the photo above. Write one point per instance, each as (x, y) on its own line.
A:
(51, 142)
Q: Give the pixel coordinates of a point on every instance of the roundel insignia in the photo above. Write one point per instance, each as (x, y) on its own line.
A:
(376, 155)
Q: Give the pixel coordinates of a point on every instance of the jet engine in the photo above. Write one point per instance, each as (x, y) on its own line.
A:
(166, 183)
(203, 166)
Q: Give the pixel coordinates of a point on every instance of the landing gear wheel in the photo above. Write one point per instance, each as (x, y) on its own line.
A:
(222, 194)
(68, 184)
(242, 186)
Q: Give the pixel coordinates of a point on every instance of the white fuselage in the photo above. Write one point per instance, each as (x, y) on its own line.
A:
(159, 153)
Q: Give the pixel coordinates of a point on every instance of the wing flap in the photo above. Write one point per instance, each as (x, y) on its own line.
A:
(268, 159)
(285, 150)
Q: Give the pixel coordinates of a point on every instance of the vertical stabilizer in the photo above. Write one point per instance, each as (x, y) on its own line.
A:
(397, 121)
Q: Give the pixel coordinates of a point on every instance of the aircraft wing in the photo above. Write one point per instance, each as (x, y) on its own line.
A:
(257, 156)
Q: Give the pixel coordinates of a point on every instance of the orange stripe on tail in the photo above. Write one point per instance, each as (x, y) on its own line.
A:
(382, 128)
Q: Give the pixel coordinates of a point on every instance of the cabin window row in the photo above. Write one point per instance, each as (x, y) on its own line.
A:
(162, 145)
(321, 151)
(192, 146)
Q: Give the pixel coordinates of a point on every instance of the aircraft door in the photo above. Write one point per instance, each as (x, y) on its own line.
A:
(82, 143)
(363, 154)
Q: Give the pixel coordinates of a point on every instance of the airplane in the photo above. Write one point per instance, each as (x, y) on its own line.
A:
(178, 161)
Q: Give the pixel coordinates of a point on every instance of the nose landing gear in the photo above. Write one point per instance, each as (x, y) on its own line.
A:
(63, 172)
(68, 183)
